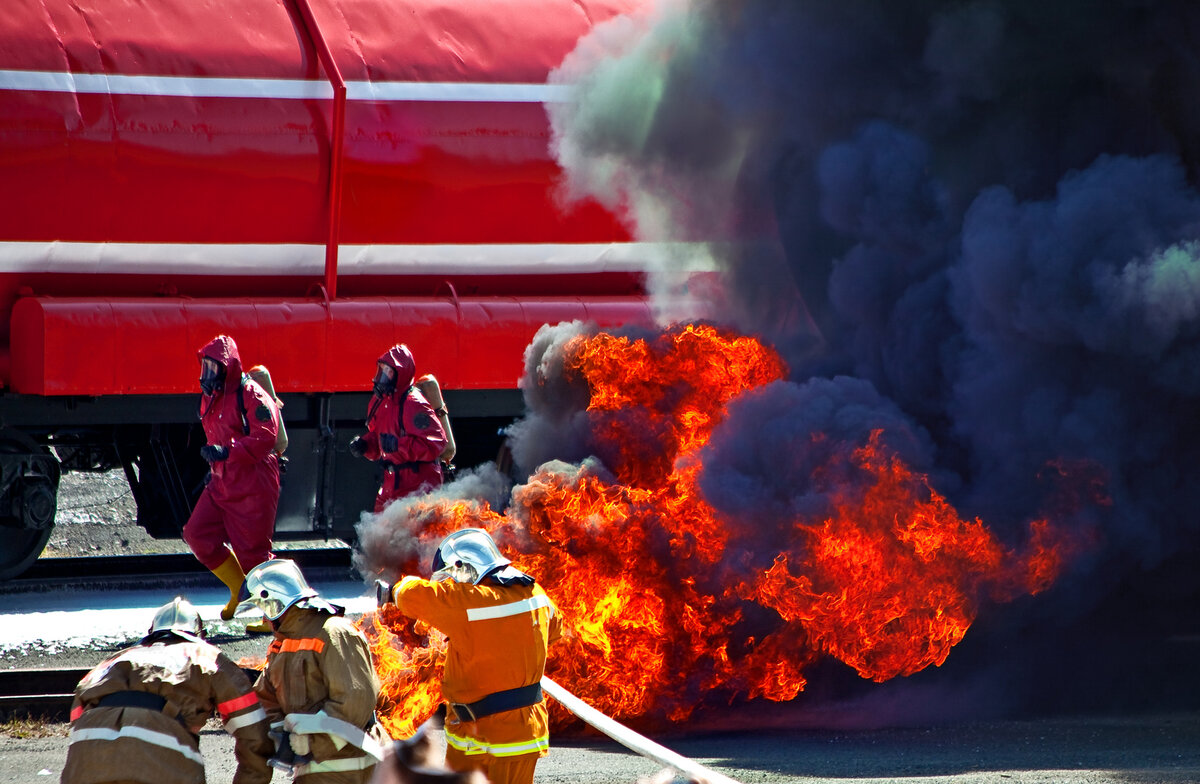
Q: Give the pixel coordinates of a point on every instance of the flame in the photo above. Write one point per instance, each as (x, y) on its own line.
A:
(408, 658)
(890, 582)
(663, 611)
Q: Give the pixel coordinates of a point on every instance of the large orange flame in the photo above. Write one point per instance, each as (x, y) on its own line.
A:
(890, 582)
(663, 611)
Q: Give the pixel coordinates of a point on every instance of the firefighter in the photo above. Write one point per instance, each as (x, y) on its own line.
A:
(403, 432)
(137, 716)
(319, 686)
(499, 622)
(231, 526)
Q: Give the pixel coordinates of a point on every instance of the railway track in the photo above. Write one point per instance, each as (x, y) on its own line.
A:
(46, 692)
(180, 568)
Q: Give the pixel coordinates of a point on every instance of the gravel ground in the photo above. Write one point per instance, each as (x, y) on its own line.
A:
(96, 517)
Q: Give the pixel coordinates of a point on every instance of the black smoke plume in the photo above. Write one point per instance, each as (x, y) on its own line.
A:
(975, 222)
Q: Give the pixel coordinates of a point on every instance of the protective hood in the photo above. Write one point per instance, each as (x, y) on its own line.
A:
(224, 350)
(400, 358)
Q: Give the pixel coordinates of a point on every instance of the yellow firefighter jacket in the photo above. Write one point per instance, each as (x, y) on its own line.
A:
(319, 681)
(119, 734)
(498, 641)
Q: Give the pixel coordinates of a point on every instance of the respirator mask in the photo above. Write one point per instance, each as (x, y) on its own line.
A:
(385, 380)
(212, 376)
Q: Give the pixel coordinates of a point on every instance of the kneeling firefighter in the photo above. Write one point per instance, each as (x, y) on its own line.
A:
(500, 623)
(404, 433)
(137, 717)
(319, 686)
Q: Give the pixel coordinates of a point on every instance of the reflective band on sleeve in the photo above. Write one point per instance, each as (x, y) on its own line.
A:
(474, 746)
(245, 720)
(504, 610)
(319, 722)
(237, 703)
(76, 712)
(291, 646)
(333, 766)
(138, 733)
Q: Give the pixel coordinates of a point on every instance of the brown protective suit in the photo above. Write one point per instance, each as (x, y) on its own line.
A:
(321, 662)
(111, 743)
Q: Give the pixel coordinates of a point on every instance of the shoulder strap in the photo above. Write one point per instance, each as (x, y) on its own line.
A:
(400, 413)
(241, 397)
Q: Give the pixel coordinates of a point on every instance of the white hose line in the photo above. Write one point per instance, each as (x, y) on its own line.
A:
(630, 739)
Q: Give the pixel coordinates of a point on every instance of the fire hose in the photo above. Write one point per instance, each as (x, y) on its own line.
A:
(631, 740)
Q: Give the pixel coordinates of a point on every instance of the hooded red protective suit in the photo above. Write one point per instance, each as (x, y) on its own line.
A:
(238, 505)
(420, 438)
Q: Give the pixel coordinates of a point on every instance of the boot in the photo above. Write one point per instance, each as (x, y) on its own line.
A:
(230, 573)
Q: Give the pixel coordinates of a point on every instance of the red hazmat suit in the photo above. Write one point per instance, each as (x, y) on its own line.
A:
(406, 415)
(239, 503)
(498, 637)
(137, 717)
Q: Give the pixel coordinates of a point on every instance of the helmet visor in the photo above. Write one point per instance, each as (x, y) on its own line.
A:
(384, 382)
(212, 376)
(269, 605)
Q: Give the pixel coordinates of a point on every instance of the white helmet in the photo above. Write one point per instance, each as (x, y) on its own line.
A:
(178, 617)
(275, 585)
(467, 556)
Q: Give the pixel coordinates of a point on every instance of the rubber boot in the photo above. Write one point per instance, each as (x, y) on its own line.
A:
(230, 573)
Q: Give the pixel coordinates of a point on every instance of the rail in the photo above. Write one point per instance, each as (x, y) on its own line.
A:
(112, 569)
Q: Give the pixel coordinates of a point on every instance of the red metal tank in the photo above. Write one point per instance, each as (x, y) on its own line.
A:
(320, 177)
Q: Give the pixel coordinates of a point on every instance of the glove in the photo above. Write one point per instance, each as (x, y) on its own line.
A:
(299, 744)
(358, 446)
(214, 454)
(383, 593)
(388, 442)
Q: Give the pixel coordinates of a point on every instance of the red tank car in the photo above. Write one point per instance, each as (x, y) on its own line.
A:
(317, 178)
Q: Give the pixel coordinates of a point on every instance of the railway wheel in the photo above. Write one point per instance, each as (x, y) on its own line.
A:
(28, 501)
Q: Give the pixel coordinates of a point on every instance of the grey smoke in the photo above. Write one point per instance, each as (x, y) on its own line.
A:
(388, 541)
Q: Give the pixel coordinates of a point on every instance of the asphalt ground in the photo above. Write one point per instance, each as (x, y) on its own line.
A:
(1069, 750)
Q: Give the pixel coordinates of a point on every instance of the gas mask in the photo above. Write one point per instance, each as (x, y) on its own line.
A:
(212, 376)
(385, 380)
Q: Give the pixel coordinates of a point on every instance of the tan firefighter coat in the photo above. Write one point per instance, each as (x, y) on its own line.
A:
(161, 746)
(320, 681)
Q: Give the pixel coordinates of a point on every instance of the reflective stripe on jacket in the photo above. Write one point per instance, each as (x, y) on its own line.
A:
(498, 638)
(320, 681)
